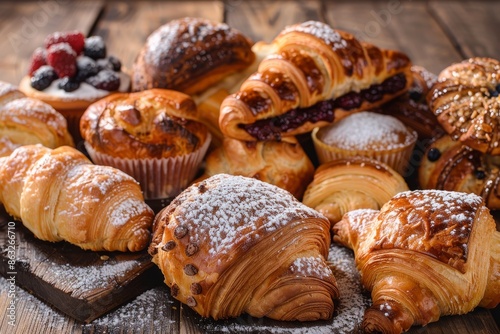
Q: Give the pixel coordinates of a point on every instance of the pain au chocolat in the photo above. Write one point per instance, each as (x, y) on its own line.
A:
(312, 76)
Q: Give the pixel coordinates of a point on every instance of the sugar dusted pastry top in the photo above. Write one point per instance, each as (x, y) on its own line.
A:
(367, 131)
(156, 123)
(190, 54)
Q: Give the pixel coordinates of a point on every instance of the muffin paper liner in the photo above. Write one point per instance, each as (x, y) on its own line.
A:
(159, 178)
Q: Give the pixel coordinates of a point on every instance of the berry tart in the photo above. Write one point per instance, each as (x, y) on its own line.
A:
(70, 72)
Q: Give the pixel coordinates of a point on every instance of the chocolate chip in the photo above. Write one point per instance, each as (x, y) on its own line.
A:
(202, 188)
(190, 270)
(191, 249)
(129, 114)
(195, 288)
(434, 154)
(191, 302)
(169, 245)
(174, 290)
(180, 231)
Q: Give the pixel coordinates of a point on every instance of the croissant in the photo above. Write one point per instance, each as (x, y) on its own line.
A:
(313, 76)
(283, 164)
(451, 165)
(233, 244)
(189, 55)
(423, 255)
(466, 103)
(60, 195)
(353, 183)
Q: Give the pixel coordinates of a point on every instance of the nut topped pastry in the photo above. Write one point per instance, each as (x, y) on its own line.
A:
(231, 244)
(189, 55)
(151, 135)
(466, 102)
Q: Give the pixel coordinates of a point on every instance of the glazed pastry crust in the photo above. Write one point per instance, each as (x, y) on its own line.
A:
(172, 55)
(230, 245)
(353, 183)
(466, 102)
(283, 164)
(60, 195)
(461, 168)
(310, 63)
(156, 123)
(425, 254)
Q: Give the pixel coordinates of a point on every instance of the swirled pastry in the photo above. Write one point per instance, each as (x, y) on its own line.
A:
(451, 165)
(283, 164)
(352, 183)
(467, 104)
(189, 55)
(313, 76)
(152, 135)
(9, 92)
(60, 195)
(230, 245)
(425, 254)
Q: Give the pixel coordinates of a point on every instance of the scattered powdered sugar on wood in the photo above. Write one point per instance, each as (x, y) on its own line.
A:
(236, 205)
(310, 266)
(368, 130)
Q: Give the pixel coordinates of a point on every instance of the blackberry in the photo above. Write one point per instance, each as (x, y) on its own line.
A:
(68, 84)
(105, 80)
(349, 101)
(110, 63)
(434, 154)
(116, 63)
(43, 77)
(86, 67)
(95, 47)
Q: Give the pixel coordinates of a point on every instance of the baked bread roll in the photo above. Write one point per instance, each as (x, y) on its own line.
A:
(283, 164)
(60, 195)
(467, 104)
(189, 55)
(230, 245)
(313, 76)
(9, 92)
(425, 254)
(352, 183)
(451, 165)
(26, 121)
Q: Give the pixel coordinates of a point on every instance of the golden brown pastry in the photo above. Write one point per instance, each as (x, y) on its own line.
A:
(283, 164)
(313, 76)
(467, 104)
(152, 135)
(25, 121)
(230, 245)
(60, 195)
(425, 254)
(9, 92)
(451, 165)
(352, 183)
(189, 55)
(412, 109)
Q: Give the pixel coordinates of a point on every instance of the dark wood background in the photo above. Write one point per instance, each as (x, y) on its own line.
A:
(433, 33)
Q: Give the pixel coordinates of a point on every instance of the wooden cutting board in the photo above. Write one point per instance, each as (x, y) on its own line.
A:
(82, 284)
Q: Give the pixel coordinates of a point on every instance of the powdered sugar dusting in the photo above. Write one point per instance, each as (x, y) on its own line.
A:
(224, 212)
(310, 266)
(368, 131)
(319, 30)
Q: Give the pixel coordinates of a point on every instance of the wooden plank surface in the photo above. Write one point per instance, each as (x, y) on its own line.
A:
(433, 34)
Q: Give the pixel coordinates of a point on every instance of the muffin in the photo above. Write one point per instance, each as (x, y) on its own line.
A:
(70, 72)
(369, 134)
(153, 135)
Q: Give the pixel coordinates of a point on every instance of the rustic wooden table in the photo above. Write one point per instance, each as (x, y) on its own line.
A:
(433, 33)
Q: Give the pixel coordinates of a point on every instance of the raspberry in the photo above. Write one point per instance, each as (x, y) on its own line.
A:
(105, 80)
(63, 59)
(74, 38)
(38, 59)
(94, 47)
(43, 77)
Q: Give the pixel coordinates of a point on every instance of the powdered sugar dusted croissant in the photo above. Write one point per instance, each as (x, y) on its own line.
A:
(231, 244)
(467, 104)
(352, 183)
(60, 195)
(313, 76)
(425, 254)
